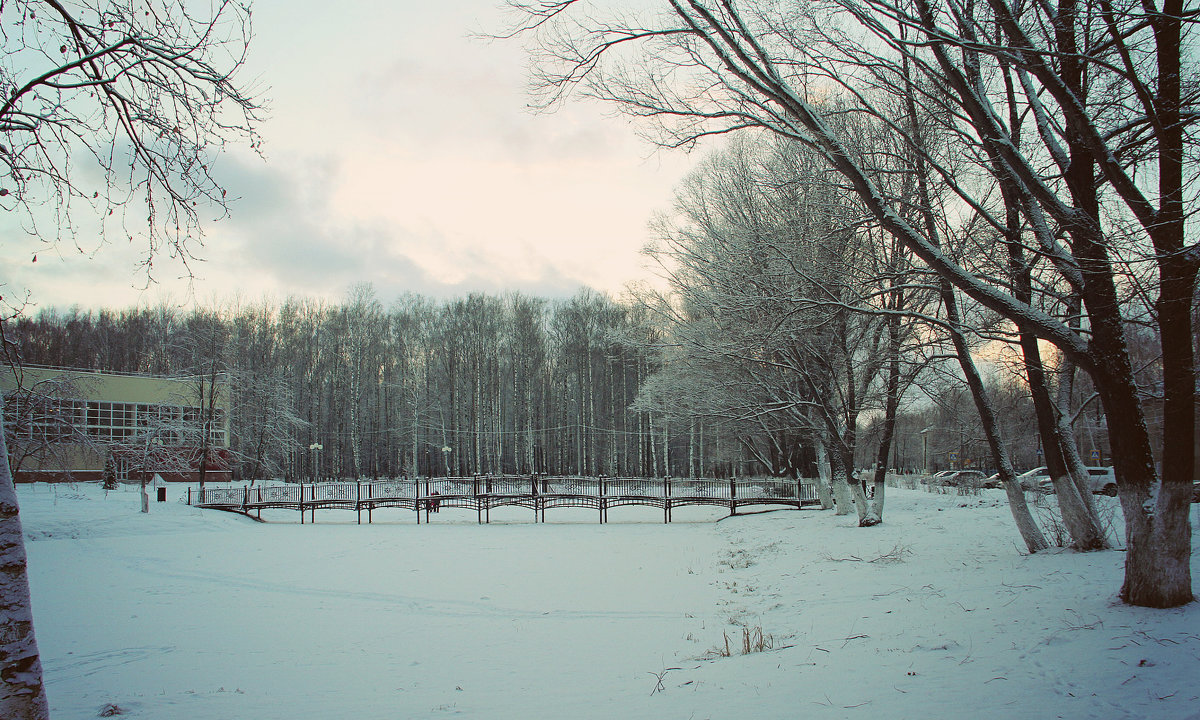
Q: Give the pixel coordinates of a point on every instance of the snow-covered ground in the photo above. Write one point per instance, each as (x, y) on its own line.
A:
(937, 613)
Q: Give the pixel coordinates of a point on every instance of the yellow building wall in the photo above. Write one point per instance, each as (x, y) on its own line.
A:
(111, 387)
(88, 463)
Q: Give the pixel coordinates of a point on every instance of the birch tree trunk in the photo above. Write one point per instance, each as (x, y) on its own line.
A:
(824, 492)
(839, 476)
(22, 693)
(847, 478)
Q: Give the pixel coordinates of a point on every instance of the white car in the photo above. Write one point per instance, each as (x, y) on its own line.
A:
(1101, 480)
(937, 478)
(1034, 479)
(956, 478)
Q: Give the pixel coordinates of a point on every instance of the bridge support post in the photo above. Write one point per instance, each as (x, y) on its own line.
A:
(666, 499)
(478, 504)
(603, 501)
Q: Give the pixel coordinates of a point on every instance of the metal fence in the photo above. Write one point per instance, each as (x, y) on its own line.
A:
(482, 493)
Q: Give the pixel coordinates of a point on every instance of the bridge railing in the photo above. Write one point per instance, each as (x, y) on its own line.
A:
(483, 492)
(217, 496)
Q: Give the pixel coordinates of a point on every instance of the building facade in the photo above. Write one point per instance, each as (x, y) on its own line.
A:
(69, 424)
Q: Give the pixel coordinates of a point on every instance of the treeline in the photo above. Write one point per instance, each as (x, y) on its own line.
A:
(481, 384)
(516, 384)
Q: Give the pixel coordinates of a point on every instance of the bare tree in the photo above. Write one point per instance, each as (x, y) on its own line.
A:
(120, 107)
(700, 68)
(112, 106)
(773, 271)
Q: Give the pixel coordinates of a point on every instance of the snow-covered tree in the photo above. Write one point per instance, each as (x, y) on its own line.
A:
(782, 301)
(1101, 171)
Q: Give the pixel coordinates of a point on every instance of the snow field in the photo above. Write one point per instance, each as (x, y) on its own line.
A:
(185, 613)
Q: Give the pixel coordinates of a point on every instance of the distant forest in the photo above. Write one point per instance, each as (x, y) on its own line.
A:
(587, 385)
(510, 384)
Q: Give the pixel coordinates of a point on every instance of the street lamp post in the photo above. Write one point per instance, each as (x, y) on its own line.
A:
(446, 454)
(316, 448)
(925, 448)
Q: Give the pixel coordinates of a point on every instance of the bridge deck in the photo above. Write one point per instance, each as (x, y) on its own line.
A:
(482, 493)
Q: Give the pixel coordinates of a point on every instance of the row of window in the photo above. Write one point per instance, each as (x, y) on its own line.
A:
(57, 420)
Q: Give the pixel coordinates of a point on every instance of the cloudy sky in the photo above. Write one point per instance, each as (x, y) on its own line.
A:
(399, 151)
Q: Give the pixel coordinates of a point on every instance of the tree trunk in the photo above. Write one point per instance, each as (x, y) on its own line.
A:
(1078, 512)
(23, 692)
(866, 513)
(1034, 540)
(891, 408)
(1170, 538)
(833, 495)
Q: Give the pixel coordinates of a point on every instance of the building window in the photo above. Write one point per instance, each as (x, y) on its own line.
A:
(54, 420)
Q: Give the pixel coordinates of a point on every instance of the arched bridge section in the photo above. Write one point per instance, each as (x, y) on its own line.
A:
(482, 493)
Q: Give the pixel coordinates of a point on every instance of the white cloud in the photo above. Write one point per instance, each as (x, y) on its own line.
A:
(400, 152)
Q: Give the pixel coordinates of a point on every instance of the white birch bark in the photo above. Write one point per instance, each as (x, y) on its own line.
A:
(22, 692)
(824, 493)
(831, 478)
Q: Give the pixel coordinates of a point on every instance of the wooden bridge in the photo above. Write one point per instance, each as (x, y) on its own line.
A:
(484, 492)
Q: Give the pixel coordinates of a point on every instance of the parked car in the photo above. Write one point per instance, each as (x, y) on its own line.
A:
(1101, 481)
(1034, 479)
(967, 478)
(937, 478)
(957, 478)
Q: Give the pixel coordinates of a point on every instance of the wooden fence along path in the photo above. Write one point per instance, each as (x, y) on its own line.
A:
(484, 492)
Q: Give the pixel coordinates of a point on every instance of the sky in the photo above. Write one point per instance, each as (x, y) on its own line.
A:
(399, 151)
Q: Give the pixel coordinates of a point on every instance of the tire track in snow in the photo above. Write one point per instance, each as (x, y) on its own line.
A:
(71, 667)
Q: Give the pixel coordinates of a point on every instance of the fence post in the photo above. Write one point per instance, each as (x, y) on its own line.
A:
(358, 500)
(301, 503)
(189, 494)
(475, 497)
(732, 496)
(666, 499)
(604, 492)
